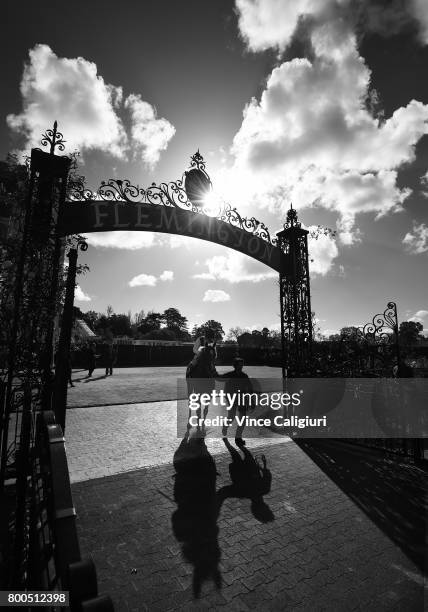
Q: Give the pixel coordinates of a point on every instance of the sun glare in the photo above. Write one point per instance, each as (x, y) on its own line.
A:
(213, 204)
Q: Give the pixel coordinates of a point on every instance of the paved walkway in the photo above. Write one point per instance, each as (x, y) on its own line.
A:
(107, 440)
(347, 530)
(129, 385)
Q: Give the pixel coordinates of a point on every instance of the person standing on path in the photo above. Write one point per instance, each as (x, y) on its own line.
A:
(237, 381)
(110, 355)
(70, 369)
(91, 358)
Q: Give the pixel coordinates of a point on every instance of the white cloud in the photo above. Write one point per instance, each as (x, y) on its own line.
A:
(216, 295)
(71, 91)
(322, 252)
(235, 268)
(419, 316)
(329, 332)
(167, 275)
(148, 280)
(176, 241)
(311, 138)
(419, 9)
(268, 24)
(80, 295)
(87, 109)
(122, 240)
(416, 243)
(150, 135)
(132, 241)
(143, 280)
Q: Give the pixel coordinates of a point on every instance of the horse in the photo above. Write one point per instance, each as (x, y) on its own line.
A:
(201, 373)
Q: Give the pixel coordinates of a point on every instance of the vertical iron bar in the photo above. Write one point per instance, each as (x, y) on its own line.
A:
(282, 316)
(23, 462)
(308, 290)
(62, 360)
(396, 330)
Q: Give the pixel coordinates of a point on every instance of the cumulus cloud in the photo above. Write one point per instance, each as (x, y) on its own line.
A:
(420, 12)
(150, 135)
(419, 316)
(312, 137)
(322, 251)
(87, 109)
(167, 275)
(143, 280)
(148, 280)
(80, 295)
(416, 242)
(216, 295)
(266, 24)
(271, 24)
(131, 241)
(235, 268)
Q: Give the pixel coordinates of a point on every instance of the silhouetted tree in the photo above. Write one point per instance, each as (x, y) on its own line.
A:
(235, 332)
(151, 322)
(91, 318)
(176, 322)
(161, 334)
(215, 327)
(245, 339)
(410, 332)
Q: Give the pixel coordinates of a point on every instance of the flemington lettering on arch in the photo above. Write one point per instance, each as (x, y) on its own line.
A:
(104, 216)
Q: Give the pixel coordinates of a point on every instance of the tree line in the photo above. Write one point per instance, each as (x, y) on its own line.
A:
(172, 325)
(167, 325)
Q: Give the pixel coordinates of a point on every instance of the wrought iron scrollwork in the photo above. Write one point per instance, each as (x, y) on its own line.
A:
(378, 327)
(292, 220)
(170, 194)
(54, 139)
(252, 225)
(197, 161)
(167, 194)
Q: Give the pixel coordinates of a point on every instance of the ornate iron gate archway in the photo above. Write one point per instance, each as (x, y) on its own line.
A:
(178, 208)
(57, 206)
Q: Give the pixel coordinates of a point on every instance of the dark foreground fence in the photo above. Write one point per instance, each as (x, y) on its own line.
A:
(410, 448)
(39, 543)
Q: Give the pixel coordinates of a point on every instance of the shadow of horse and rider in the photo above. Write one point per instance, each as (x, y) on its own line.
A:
(199, 503)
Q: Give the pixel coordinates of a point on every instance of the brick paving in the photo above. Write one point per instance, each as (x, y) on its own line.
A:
(107, 440)
(348, 532)
(322, 551)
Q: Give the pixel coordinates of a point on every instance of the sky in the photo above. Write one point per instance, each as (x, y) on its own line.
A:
(322, 103)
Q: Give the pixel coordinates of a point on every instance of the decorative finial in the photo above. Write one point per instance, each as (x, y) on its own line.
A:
(197, 161)
(54, 139)
(292, 218)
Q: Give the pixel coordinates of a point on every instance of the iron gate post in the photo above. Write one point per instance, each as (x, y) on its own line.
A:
(63, 353)
(295, 297)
